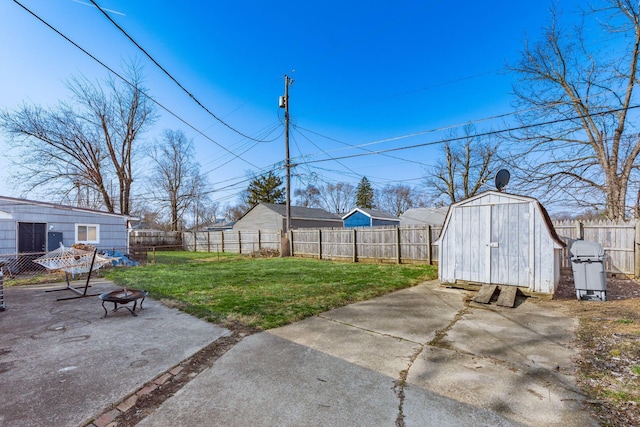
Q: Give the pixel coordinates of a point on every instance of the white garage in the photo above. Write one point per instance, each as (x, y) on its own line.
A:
(502, 239)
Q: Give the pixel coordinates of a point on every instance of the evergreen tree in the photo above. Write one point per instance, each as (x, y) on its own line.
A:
(364, 194)
(265, 188)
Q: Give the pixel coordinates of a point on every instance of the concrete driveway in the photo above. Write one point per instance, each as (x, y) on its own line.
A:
(61, 363)
(418, 357)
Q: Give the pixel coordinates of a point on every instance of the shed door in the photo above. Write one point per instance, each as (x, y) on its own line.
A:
(472, 242)
(511, 236)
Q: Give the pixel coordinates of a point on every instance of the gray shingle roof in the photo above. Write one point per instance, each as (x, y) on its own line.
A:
(299, 212)
(431, 216)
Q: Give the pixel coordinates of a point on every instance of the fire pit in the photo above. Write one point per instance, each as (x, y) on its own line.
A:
(123, 296)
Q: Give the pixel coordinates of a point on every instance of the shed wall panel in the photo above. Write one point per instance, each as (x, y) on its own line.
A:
(500, 239)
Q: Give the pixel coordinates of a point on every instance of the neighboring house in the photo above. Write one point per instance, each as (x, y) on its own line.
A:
(218, 226)
(213, 226)
(267, 216)
(30, 226)
(360, 217)
(502, 239)
(424, 216)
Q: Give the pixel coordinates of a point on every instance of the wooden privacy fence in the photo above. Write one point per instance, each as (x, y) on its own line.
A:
(617, 238)
(155, 238)
(378, 244)
(233, 241)
(412, 244)
(407, 244)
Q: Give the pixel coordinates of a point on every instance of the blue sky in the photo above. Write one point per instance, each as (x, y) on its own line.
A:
(364, 72)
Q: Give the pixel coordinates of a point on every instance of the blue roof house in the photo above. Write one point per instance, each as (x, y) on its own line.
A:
(360, 217)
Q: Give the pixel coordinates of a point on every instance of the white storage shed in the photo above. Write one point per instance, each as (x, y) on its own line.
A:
(502, 239)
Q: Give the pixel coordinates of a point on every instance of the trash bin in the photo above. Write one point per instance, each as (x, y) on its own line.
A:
(589, 277)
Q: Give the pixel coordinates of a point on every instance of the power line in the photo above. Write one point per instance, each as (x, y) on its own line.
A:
(452, 139)
(173, 78)
(482, 134)
(353, 146)
(242, 150)
(130, 84)
(356, 174)
(444, 128)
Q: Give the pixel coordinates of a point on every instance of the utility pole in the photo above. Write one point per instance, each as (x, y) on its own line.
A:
(284, 103)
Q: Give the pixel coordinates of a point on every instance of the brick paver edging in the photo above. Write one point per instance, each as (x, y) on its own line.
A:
(136, 406)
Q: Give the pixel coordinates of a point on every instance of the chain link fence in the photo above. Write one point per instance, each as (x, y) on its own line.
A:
(21, 266)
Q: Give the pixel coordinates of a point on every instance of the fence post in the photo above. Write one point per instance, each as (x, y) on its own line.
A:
(259, 241)
(579, 230)
(429, 248)
(195, 241)
(398, 259)
(222, 240)
(636, 252)
(319, 243)
(291, 243)
(208, 241)
(355, 247)
(239, 242)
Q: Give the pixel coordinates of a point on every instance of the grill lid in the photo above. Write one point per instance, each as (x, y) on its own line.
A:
(583, 248)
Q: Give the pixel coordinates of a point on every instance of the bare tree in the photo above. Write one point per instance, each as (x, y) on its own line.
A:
(397, 199)
(207, 212)
(176, 183)
(588, 148)
(88, 142)
(308, 197)
(468, 164)
(235, 212)
(149, 217)
(337, 198)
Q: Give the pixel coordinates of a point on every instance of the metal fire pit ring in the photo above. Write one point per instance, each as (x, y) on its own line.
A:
(123, 296)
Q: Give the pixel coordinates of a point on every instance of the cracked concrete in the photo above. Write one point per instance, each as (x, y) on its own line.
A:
(64, 363)
(422, 356)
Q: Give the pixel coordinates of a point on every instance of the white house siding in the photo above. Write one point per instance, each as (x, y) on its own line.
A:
(500, 239)
(59, 218)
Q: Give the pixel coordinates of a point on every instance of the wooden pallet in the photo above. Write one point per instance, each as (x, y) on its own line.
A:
(485, 294)
(507, 296)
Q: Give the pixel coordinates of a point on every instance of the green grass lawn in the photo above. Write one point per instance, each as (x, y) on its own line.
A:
(263, 292)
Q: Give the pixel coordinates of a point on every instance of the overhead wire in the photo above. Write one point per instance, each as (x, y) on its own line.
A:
(164, 70)
(382, 152)
(482, 134)
(115, 73)
(244, 149)
(354, 146)
(337, 161)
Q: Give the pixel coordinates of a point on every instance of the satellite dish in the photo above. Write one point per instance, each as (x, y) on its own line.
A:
(502, 179)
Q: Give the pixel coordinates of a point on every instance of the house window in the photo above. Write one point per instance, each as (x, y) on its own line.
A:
(87, 233)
